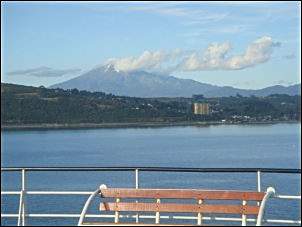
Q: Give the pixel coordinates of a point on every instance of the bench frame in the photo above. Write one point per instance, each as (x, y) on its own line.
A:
(269, 193)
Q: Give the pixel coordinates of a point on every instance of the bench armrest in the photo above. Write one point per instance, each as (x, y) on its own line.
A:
(85, 208)
(270, 191)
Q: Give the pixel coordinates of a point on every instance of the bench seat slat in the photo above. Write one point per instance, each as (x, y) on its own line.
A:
(174, 207)
(182, 194)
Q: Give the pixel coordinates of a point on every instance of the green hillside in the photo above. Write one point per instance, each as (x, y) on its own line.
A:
(37, 105)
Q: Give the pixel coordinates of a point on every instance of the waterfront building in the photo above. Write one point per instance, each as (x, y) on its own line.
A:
(201, 108)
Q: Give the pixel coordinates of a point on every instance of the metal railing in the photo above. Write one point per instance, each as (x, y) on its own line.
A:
(22, 215)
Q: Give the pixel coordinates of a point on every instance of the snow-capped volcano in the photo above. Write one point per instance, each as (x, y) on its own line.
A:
(108, 79)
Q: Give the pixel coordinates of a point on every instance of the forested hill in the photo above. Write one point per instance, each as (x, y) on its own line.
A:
(37, 105)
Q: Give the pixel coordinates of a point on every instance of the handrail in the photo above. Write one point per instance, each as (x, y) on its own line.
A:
(156, 169)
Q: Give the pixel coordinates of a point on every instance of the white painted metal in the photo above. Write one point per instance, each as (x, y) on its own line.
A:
(283, 221)
(136, 179)
(20, 209)
(21, 218)
(199, 215)
(136, 186)
(157, 215)
(116, 214)
(10, 192)
(85, 208)
(259, 181)
(23, 208)
(298, 197)
(24, 197)
(243, 223)
(269, 192)
(150, 217)
(58, 193)
(23, 192)
(294, 197)
(258, 184)
(23, 179)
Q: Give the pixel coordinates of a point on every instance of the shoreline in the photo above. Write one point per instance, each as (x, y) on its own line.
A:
(130, 125)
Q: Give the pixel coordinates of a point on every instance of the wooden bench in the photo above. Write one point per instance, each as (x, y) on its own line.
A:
(202, 197)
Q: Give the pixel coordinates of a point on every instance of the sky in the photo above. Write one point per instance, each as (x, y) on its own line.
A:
(247, 45)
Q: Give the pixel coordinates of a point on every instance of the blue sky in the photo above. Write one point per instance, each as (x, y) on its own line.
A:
(245, 44)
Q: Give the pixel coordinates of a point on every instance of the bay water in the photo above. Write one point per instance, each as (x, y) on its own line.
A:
(246, 146)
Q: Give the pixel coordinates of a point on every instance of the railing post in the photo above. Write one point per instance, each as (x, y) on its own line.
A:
(136, 179)
(24, 196)
(21, 217)
(199, 215)
(258, 183)
(243, 222)
(20, 209)
(136, 187)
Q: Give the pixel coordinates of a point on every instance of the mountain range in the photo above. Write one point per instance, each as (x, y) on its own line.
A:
(144, 84)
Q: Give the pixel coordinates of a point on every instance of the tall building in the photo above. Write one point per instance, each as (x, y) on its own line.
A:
(201, 108)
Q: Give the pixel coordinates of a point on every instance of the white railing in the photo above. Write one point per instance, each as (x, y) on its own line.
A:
(22, 215)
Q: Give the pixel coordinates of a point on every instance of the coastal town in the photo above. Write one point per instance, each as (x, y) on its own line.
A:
(40, 106)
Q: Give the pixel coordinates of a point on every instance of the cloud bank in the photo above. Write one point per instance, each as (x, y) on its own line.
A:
(44, 72)
(217, 56)
(148, 60)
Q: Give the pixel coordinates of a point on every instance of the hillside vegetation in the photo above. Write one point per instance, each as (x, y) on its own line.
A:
(37, 105)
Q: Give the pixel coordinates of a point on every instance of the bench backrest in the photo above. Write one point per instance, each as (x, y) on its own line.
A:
(201, 197)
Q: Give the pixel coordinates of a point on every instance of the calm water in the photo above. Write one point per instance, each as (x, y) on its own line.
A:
(213, 146)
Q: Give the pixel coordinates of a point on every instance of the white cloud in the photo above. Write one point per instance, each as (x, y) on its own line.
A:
(215, 57)
(44, 72)
(191, 15)
(153, 61)
(148, 60)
